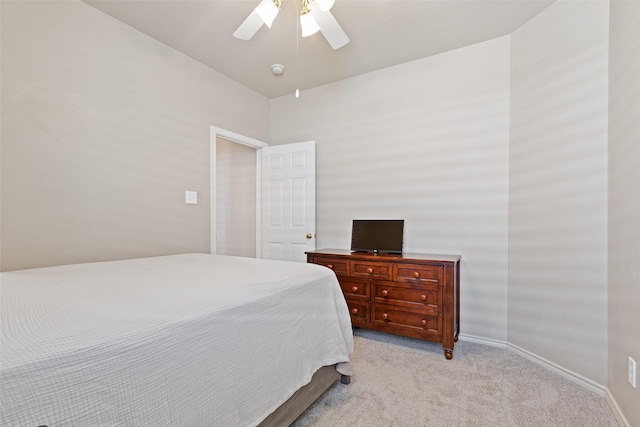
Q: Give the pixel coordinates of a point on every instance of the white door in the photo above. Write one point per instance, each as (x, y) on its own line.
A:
(288, 201)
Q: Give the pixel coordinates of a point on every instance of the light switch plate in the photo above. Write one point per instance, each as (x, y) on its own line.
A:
(191, 197)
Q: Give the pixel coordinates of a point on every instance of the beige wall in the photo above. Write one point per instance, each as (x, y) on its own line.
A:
(427, 142)
(103, 130)
(558, 187)
(624, 204)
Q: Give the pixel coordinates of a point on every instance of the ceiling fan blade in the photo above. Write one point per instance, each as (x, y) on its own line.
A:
(331, 30)
(249, 27)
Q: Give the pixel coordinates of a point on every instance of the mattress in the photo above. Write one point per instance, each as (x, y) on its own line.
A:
(179, 340)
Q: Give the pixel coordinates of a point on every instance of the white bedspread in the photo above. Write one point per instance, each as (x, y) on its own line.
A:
(184, 340)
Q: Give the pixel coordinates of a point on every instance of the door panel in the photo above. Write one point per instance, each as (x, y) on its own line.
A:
(288, 201)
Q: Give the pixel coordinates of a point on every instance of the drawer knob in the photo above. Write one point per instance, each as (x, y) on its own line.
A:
(369, 270)
(354, 289)
(423, 322)
(416, 274)
(330, 266)
(423, 297)
(385, 316)
(354, 311)
(385, 293)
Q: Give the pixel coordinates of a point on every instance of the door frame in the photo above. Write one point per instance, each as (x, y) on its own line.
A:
(216, 132)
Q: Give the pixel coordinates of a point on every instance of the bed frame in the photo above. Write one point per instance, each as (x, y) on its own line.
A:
(290, 410)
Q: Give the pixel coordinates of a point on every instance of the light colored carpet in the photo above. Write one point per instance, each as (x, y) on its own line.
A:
(400, 381)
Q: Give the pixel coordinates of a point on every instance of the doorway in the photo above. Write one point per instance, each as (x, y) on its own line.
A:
(235, 199)
(283, 196)
(235, 206)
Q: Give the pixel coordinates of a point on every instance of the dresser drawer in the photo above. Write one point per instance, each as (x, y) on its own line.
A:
(358, 288)
(338, 265)
(359, 310)
(428, 297)
(414, 321)
(416, 273)
(378, 270)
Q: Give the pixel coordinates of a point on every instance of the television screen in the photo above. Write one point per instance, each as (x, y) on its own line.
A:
(377, 235)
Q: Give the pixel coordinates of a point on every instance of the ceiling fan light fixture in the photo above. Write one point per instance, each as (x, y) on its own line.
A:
(325, 5)
(308, 25)
(268, 10)
(313, 18)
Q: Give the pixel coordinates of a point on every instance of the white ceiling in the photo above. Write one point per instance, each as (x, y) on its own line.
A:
(383, 33)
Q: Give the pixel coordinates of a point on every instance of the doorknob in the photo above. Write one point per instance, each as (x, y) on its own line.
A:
(309, 235)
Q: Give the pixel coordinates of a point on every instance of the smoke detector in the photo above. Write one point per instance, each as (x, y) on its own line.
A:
(277, 69)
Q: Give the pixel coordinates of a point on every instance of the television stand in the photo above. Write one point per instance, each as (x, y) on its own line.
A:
(409, 294)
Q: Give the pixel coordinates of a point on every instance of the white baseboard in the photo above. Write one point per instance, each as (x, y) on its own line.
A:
(566, 373)
(482, 340)
(570, 375)
(616, 409)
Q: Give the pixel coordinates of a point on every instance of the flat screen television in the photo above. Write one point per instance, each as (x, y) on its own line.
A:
(377, 235)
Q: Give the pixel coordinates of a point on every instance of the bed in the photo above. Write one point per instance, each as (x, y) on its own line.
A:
(181, 340)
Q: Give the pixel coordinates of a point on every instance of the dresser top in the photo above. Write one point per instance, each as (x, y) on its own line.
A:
(386, 257)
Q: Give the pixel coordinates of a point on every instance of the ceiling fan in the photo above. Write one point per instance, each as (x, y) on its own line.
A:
(315, 16)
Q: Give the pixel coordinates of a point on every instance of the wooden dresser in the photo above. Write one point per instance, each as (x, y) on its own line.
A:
(414, 295)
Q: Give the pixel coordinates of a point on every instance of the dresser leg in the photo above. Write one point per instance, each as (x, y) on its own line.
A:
(448, 354)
